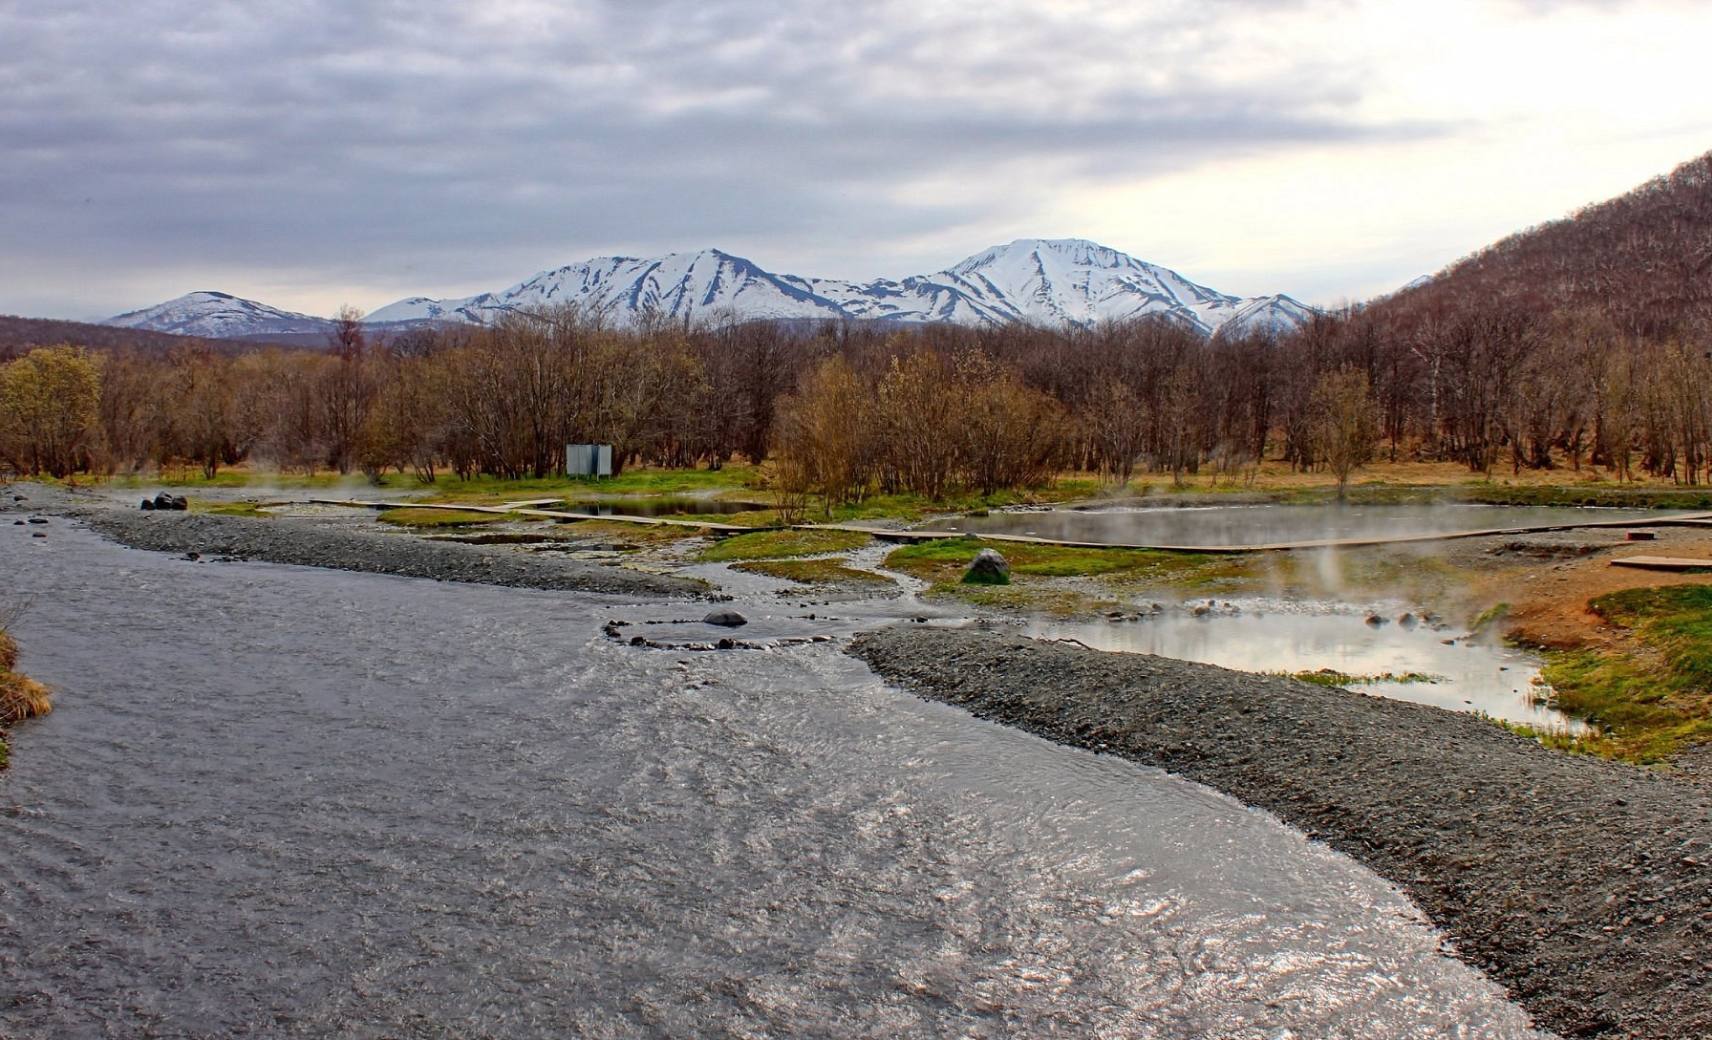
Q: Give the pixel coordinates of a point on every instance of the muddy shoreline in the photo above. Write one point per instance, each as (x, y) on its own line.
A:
(308, 544)
(1583, 886)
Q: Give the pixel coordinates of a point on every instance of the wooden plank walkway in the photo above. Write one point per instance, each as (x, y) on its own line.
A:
(1663, 563)
(895, 535)
(1699, 519)
(525, 509)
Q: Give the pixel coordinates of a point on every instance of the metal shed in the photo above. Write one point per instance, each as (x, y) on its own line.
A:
(588, 460)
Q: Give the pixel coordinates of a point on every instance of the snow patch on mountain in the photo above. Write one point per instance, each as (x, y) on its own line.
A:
(1049, 282)
(219, 315)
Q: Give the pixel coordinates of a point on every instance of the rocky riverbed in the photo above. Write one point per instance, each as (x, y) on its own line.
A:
(309, 544)
(1584, 886)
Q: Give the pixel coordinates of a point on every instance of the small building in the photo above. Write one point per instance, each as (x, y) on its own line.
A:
(588, 460)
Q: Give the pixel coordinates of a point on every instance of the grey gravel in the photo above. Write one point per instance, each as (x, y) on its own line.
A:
(1583, 886)
(310, 544)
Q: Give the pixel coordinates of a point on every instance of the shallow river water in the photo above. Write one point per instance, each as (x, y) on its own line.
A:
(275, 801)
(1408, 661)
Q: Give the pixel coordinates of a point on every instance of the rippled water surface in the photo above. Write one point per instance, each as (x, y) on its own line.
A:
(1270, 524)
(275, 802)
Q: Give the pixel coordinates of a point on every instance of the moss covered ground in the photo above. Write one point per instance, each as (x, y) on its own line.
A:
(1654, 699)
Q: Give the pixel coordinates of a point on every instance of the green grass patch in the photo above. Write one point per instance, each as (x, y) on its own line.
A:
(629, 534)
(1584, 494)
(830, 571)
(237, 479)
(1331, 677)
(747, 518)
(636, 482)
(227, 508)
(916, 507)
(946, 559)
(777, 545)
(1556, 739)
(431, 518)
(1489, 617)
(483, 489)
(1656, 701)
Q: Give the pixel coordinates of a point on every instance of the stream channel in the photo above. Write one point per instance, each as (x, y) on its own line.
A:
(277, 801)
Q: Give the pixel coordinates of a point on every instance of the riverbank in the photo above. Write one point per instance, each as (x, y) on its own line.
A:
(20, 696)
(1583, 886)
(308, 544)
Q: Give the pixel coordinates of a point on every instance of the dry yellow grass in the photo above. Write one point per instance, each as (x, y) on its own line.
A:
(20, 698)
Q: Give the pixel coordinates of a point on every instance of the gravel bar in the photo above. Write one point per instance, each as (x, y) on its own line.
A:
(1583, 886)
(311, 544)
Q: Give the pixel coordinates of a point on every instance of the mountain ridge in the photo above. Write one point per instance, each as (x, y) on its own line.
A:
(1071, 282)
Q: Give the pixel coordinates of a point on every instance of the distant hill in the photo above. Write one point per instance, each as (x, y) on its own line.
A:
(18, 335)
(1049, 282)
(1643, 261)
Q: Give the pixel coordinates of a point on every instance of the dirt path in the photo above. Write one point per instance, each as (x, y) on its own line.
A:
(1548, 582)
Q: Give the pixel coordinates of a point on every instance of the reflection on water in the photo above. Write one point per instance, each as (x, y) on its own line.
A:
(1270, 636)
(1268, 524)
(276, 801)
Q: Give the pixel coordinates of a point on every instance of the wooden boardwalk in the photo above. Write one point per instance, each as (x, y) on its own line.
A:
(1663, 563)
(529, 509)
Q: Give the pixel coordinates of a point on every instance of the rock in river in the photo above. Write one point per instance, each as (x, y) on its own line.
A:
(726, 619)
(988, 568)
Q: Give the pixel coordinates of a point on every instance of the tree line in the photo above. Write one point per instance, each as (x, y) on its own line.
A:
(847, 410)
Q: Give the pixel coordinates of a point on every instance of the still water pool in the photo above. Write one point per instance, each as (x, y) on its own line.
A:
(1429, 664)
(1272, 524)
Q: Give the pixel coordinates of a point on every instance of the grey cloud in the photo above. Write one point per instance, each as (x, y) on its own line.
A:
(368, 135)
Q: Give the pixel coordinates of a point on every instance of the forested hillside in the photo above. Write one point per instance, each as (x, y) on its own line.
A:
(1641, 262)
(19, 334)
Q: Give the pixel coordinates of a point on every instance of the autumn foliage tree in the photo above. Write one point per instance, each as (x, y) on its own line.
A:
(50, 411)
(1344, 421)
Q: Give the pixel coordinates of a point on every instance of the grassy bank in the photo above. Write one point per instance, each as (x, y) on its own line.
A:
(1654, 699)
(1062, 579)
(20, 697)
(780, 545)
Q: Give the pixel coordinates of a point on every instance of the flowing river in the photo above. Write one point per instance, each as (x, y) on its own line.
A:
(275, 801)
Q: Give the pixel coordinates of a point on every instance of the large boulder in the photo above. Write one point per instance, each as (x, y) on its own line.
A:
(988, 568)
(166, 501)
(726, 619)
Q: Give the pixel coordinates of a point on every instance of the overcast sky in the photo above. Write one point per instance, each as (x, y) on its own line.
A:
(310, 153)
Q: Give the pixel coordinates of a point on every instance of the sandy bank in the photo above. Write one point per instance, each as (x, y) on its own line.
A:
(1583, 886)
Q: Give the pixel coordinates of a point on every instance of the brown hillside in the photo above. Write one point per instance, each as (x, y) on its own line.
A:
(18, 335)
(1641, 261)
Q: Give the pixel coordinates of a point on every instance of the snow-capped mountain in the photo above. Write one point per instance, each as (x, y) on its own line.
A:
(1053, 282)
(1044, 281)
(219, 315)
(676, 285)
